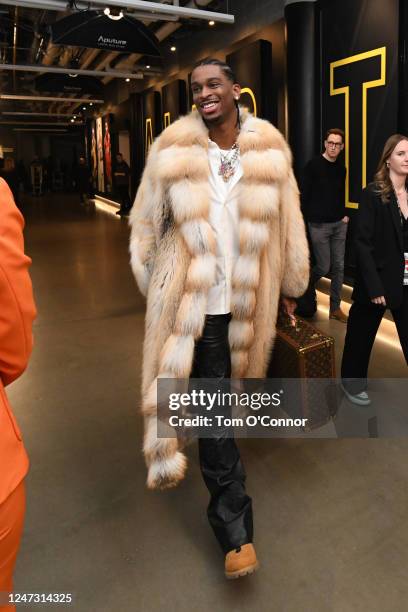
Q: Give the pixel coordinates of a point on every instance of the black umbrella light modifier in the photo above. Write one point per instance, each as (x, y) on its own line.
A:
(99, 30)
(69, 84)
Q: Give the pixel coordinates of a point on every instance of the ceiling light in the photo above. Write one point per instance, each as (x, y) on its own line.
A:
(211, 23)
(72, 120)
(127, 80)
(114, 17)
(173, 48)
(84, 108)
(148, 67)
(91, 104)
(75, 116)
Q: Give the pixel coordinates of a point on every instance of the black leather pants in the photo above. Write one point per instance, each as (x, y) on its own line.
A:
(230, 508)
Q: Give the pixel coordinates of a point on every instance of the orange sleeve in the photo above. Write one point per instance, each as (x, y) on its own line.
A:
(17, 307)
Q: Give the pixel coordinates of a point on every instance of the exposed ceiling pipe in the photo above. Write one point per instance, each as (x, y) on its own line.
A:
(50, 54)
(76, 71)
(38, 39)
(44, 123)
(43, 131)
(49, 99)
(89, 57)
(186, 12)
(32, 114)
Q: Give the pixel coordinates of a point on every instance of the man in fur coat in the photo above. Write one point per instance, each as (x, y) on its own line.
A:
(217, 240)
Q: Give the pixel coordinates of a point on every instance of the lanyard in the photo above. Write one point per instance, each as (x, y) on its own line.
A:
(402, 218)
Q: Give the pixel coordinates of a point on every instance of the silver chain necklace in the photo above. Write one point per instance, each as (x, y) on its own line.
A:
(229, 162)
(397, 196)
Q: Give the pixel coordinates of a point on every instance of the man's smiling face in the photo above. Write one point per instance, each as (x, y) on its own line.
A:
(213, 93)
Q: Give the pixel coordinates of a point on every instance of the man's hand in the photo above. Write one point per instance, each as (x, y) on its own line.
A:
(288, 306)
(345, 219)
(379, 300)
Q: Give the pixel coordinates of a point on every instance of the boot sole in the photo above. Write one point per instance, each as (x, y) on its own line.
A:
(245, 571)
(338, 319)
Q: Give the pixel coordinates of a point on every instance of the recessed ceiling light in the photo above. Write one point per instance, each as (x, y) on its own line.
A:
(211, 23)
(127, 80)
(173, 48)
(91, 104)
(72, 120)
(84, 108)
(148, 67)
(75, 116)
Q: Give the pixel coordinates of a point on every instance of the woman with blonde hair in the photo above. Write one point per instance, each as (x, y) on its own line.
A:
(381, 242)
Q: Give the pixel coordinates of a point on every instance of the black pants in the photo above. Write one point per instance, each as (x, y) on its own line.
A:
(362, 326)
(230, 509)
(123, 191)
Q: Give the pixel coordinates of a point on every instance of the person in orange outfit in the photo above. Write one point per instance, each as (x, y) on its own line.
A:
(17, 312)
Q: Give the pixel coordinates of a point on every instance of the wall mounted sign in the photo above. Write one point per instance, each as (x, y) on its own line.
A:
(107, 153)
(99, 149)
(94, 156)
(360, 82)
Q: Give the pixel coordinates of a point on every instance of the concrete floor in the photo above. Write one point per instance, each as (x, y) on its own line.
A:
(331, 525)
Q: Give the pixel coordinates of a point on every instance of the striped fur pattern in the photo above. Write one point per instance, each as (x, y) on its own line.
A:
(172, 248)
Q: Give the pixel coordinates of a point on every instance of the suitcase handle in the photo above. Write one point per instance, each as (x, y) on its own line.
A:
(286, 322)
(297, 327)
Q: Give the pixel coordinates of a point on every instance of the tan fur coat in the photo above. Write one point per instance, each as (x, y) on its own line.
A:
(172, 249)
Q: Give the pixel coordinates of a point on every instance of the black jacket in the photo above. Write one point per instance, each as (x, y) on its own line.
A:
(379, 249)
(121, 173)
(82, 177)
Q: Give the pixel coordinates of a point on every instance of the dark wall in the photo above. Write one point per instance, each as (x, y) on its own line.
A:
(174, 101)
(152, 118)
(360, 88)
(252, 65)
(356, 36)
(303, 81)
(403, 68)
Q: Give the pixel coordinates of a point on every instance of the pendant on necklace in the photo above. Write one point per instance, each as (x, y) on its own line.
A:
(226, 171)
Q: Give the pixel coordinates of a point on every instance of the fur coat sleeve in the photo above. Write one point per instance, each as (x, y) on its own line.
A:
(143, 244)
(295, 253)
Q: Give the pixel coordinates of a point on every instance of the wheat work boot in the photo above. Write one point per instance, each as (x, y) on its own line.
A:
(241, 561)
(338, 315)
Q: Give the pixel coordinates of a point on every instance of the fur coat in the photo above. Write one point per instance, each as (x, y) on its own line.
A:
(172, 249)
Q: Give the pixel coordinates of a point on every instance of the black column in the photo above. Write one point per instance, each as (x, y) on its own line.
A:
(303, 79)
(403, 68)
(136, 142)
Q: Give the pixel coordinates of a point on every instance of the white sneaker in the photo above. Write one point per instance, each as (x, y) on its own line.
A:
(361, 398)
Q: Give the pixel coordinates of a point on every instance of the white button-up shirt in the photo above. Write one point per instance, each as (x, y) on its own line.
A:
(224, 219)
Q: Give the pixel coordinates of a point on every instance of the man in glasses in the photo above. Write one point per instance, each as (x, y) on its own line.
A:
(323, 206)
